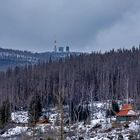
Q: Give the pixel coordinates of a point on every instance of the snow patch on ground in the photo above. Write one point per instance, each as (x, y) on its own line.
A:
(133, 126)
(20, 117)
(15, 131)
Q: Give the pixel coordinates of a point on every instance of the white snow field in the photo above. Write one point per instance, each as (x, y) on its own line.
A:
(20, 117)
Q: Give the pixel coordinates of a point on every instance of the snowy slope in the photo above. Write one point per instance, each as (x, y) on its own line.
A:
(99, 128)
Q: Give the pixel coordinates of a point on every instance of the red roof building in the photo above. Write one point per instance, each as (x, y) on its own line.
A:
(126, 113)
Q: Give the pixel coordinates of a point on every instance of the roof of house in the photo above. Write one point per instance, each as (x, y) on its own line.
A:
(126, 113)
(126, 110)
(127, 107)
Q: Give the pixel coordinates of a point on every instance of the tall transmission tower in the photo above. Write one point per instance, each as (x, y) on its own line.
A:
(55, 46)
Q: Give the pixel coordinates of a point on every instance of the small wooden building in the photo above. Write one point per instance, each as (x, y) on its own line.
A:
(43, 121)
(126, 113)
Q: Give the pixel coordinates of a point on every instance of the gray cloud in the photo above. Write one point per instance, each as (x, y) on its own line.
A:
(85, 25)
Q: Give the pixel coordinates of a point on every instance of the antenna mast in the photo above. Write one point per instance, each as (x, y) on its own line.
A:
(55, 47)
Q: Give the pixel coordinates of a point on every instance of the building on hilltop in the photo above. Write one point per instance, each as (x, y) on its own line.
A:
(61, 49)
(67, 49)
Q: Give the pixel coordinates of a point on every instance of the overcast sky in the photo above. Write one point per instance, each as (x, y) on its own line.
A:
(84, 25)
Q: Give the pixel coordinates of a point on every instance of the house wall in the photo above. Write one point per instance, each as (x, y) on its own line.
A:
(125, 118)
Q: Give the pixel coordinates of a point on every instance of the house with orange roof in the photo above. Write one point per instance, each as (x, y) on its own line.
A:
(126, 113)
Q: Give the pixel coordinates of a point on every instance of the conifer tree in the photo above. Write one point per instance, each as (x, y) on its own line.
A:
(4, 113)
(35, 109)
(115, 106)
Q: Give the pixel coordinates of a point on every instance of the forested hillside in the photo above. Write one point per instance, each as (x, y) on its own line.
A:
(76, 79)
(12, 58)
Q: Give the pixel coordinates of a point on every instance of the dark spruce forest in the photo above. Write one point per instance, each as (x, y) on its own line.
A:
(77, 79)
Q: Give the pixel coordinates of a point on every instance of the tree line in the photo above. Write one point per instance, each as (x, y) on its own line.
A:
(99, 76)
